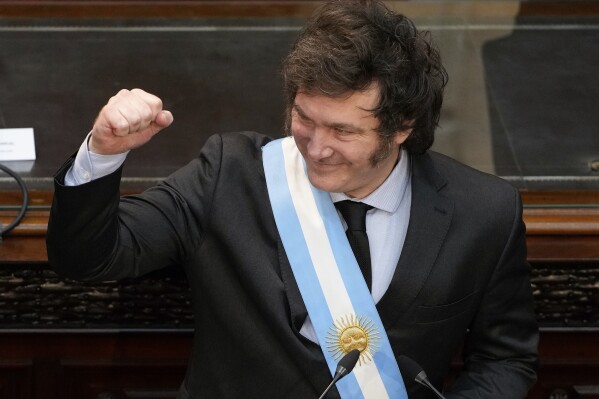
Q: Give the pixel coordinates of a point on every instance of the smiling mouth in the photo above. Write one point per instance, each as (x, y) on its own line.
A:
(324, 164)
(323, 167)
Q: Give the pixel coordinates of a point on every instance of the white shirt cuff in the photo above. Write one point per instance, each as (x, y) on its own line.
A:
(89, 166)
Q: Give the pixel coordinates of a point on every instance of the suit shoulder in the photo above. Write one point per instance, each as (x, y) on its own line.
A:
(233, 147)
(458, 173)
(470, 189)
(244, 140)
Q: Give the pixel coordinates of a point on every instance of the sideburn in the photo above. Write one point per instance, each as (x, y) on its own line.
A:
(384, 151)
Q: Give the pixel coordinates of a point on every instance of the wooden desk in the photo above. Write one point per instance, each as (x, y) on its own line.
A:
(48, 355)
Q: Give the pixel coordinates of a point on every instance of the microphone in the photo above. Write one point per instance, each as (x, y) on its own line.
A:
(344, 367)
(413, 372)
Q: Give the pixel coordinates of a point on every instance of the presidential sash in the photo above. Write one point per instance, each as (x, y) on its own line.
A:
(340, 306)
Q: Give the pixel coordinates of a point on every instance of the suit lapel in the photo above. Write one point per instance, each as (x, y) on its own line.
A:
(297, 308)
(430, 216)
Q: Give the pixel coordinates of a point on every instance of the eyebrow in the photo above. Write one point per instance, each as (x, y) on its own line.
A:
(339, 125)
(299, 110)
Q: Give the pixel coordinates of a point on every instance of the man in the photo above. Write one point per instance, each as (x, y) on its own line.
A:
(278, 294)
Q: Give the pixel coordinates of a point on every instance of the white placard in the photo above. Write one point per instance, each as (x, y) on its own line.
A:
(17, 144)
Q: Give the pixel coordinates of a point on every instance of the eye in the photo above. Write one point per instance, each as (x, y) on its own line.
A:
(343, 132)
(301, 117)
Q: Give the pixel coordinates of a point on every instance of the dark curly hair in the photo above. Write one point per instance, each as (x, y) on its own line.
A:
(347, 45)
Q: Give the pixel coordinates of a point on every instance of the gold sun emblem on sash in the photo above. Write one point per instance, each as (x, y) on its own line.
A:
(352, 332)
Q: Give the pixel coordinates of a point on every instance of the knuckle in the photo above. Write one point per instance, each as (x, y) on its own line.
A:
(135, 120)
(122, 92)
(146, 114)
(157, 103)
(121, 124)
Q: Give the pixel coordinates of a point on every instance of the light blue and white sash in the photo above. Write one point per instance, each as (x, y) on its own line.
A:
(336, 296)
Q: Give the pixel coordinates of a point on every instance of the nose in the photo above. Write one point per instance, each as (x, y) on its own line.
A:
(319, 146)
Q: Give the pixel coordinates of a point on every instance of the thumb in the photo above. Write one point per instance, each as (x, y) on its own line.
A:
(164, 119)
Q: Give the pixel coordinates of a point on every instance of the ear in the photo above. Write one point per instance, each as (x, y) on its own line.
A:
(402, 135)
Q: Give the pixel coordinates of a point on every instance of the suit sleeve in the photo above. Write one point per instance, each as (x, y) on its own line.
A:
(95, 234)
(500, 350)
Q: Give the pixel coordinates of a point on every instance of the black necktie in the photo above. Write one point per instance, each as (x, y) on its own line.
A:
(354, 214)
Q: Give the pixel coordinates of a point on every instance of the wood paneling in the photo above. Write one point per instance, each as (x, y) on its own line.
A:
(560, 225)
(16, 379)
(155, 9)
(92, 366)
(280, 8)
(569, 365)
(152, 365)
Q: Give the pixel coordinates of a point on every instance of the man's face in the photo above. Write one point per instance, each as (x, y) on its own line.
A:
(337, 137)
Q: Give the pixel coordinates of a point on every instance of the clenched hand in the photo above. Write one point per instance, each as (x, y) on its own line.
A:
(129, 120)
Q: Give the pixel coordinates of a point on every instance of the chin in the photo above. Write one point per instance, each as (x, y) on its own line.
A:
(324, 184)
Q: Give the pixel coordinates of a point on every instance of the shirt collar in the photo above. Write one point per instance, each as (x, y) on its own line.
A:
(388, 195)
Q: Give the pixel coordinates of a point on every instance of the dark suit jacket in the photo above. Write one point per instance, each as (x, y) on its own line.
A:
(462, 276)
